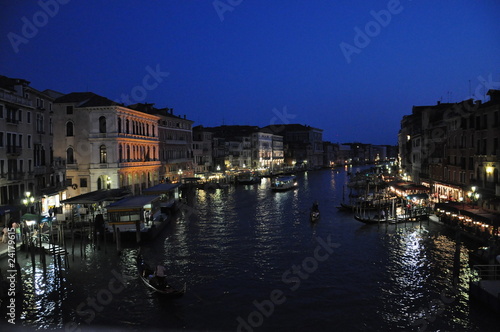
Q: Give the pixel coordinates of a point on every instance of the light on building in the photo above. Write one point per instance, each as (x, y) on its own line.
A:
(489, 170)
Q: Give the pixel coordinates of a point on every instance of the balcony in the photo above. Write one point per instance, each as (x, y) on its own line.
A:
(11, 121)
(15, 99)
(139, 163)
(72, 165)
(16, 176)
(14, 151)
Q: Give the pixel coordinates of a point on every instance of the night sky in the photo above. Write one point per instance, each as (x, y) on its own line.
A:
(352, 68)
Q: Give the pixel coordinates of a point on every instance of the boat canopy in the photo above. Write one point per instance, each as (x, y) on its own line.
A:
(132, 203)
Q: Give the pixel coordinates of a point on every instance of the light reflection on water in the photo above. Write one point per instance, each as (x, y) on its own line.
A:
(235, 249)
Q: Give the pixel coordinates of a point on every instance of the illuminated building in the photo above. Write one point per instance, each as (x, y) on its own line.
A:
(104, 145)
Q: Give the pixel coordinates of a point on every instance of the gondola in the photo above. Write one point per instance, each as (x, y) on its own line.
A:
(157, 283)
(315, 212)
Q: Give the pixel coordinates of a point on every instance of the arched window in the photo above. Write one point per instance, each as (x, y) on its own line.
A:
(70, 159)
(128, 152)
(102, 154)
(102, 124)
(69, 128)
(127, 126)
(119, 125)
(120, 153)
(99, 183)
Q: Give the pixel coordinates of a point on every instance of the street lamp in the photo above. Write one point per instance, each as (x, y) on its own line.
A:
(28, 199)
(473, 195)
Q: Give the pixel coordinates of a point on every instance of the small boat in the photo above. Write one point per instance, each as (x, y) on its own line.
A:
(156, 280)
(247, 178)
(282, 183)
(315, 212)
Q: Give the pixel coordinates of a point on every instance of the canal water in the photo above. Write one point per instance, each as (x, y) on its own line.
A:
(252, 261)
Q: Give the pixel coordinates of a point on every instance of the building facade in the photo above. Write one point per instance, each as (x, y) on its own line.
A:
(103, 145)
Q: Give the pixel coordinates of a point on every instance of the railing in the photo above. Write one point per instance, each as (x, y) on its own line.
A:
(15, 99)
(14, 150)
(15, 176)
(12, 121)
(488, 272)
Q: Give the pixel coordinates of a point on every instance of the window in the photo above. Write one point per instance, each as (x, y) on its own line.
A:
(1, 111)
(20, 115)
(103, 154)
(69, 109)
(39, 123)
(69, 128)
(83, 182)
(51, 126)
(70, 159)
(1, 139)
(28, 117)
(29, 141)
(102, 124)
(20, 141)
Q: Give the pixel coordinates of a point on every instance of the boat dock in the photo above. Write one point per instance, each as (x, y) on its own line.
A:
(487, 288)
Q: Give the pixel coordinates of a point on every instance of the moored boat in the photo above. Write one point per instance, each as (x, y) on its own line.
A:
(247, 178)
(282, 183)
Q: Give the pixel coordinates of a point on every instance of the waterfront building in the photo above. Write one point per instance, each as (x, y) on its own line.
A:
(453, 148)
(247, 147)
(278, 153)
(233, 146)
(104, 145)
(330, 155)
(267, 150)
(26, 151)
(175, 142)
(202, 150)
(302, 145)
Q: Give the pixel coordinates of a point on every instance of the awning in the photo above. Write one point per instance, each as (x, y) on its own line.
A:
(131, 203)
(98, 196)
(30, 216)
(161, 188)
(418, 196)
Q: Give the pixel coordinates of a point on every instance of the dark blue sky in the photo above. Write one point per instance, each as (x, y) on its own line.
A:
(262, 62)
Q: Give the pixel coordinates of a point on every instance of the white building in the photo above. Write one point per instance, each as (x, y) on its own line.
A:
(104, 145)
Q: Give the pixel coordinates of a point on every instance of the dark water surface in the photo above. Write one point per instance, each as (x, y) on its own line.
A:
(253, 261)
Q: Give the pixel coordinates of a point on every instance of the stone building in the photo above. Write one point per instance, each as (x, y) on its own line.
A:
(104, 145)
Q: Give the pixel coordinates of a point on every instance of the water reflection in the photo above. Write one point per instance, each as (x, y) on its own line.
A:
(232, 247)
